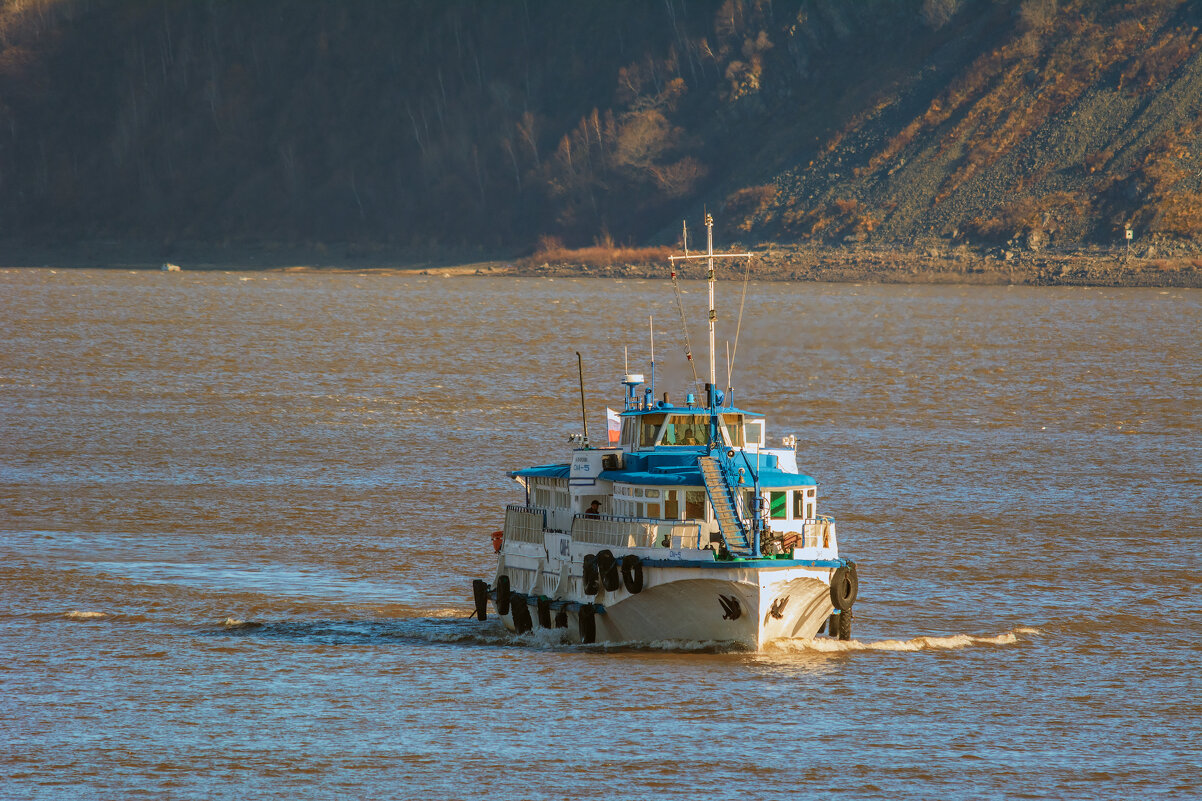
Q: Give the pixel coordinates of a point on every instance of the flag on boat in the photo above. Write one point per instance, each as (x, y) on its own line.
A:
(615, 425)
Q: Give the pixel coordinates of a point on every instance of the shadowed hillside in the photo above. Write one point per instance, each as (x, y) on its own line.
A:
(432, 124)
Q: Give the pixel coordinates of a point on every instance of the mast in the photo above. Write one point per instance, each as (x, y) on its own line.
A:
(709, 256)
(709, 249)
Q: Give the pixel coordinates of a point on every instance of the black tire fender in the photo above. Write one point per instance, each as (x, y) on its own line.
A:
(845, 618)
(607, 569)
(845, 586)
(588, 623)
(592, 584)
(632, 574)
(480, 597)
(521, 613)
(503, 594)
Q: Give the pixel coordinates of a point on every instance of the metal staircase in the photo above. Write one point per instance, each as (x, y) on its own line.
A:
(734, 530)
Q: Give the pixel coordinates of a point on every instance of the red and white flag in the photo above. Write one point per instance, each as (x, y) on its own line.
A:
(614, 422)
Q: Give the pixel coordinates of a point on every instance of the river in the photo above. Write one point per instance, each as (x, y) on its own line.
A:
(240, 514)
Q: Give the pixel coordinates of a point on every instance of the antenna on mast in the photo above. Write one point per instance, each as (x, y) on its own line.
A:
(651, 325)
(583, 414)
(709, 249)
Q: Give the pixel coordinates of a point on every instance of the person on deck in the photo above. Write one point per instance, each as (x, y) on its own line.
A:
(594, 509)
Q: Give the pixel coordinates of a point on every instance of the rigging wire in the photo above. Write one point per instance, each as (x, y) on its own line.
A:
(730, 365)
(684, 326)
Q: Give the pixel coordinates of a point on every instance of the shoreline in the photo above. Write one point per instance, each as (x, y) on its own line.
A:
(838, 264)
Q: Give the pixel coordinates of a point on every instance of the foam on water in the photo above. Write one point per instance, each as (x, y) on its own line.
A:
(76, 614)
(941, 643)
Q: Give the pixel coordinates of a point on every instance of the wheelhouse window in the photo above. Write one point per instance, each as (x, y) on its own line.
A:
(733, 423)
(648, 428)
(687, 429)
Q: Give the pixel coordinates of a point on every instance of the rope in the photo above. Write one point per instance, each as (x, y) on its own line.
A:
(739, 325)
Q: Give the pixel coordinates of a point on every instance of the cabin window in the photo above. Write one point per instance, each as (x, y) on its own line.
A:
(694, 504)
(653, 510)
(638, 492)
(648, 427)
(687, 429)
(638, 510)
(652, 493)
(799, 505)
(672, 505)
(809, 511)
(734, 429)
(754, 431)
(776, 505)
(630, 432)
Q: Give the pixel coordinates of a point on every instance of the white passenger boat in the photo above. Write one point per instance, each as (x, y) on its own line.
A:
(688, 528)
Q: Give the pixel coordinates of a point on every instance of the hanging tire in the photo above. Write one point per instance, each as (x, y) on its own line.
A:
(502, 599)
(607, 569)
(480, 596)
(844, 625)
(588, 623)
(521, 613)
(632, 574)
(845, 586)
(543, 605)
(592, 585)
(561, 619)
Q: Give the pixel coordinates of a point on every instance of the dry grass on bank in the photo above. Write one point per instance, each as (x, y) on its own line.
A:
(551, 251)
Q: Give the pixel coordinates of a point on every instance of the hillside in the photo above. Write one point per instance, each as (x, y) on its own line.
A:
(489, 127)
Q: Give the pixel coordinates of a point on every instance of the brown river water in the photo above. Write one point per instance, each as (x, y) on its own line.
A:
(240, 514)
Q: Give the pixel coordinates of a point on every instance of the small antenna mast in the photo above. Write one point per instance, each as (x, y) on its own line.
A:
(651, 325)
(583, 415)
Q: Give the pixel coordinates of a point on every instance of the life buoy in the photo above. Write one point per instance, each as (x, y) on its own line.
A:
(607, 569)
(502, 599)
(591, 583)
(632, 574)
(588, 623)
(543, 605)
(845, 586)
(480, 596)
(498, 537)
(521, 614)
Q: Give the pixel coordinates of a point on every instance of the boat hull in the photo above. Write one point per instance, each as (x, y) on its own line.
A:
(716, 602)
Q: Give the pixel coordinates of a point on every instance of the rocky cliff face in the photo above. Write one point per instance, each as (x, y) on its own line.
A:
(1035, 124)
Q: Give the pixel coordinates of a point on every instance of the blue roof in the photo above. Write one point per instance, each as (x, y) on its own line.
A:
(672, 468)
(544, 471)
(698, 410)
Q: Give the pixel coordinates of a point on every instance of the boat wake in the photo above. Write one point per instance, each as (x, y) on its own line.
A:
(453, 627)
(944, 643)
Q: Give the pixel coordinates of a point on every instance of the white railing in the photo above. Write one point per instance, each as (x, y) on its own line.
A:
(635, 532)
(816, 532)
(525, 523)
